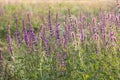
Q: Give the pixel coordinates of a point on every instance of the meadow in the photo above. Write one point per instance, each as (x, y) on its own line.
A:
(60, 40)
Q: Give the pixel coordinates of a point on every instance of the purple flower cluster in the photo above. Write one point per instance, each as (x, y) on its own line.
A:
(94, 32)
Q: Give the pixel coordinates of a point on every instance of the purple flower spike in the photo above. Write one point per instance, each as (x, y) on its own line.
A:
(82, 34)
(43, 33)
(73, 35)
(45, 42)
(57, 33)
(25, 34)
(47, 47)
(57, 30)
(50, 24)
(82, 37)
(113, 37)
(9, 42)
(17, 34)
(32, 35)
(64, 40)
(68, 33)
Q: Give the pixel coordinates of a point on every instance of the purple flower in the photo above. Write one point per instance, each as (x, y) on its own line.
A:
(50, 24)
(9, 42)
(45, 43)
(96, 36)
(25, 34)
(57, 33)
(57, 30)
(73, 35)
(43, 37)
(64, 40)
(84, 21)
(113, 37)
(32, 35)
(82, 34)
(47, 47)
(17, 34)
(33, 39)
(117, 20)
(82, 37)
(68, 33)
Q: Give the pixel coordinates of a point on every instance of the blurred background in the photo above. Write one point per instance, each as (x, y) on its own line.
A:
(54, 1)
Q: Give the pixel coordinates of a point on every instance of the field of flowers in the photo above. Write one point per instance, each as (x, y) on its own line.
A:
(60, 41)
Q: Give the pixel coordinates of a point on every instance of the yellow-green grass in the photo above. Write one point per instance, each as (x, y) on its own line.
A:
(87, 4)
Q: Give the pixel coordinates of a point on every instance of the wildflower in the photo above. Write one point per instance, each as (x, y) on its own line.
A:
(17, 34)
(49, 24)
(25, 33)
(33, 39)
(59, 56)
(84, 22)
(73, 35)
(64, 40)
(57, 30)
(113, 38)
(9, 39)
(46, 43)
(82, 35)
(9, 42)
(94, 21)
(68, 33)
